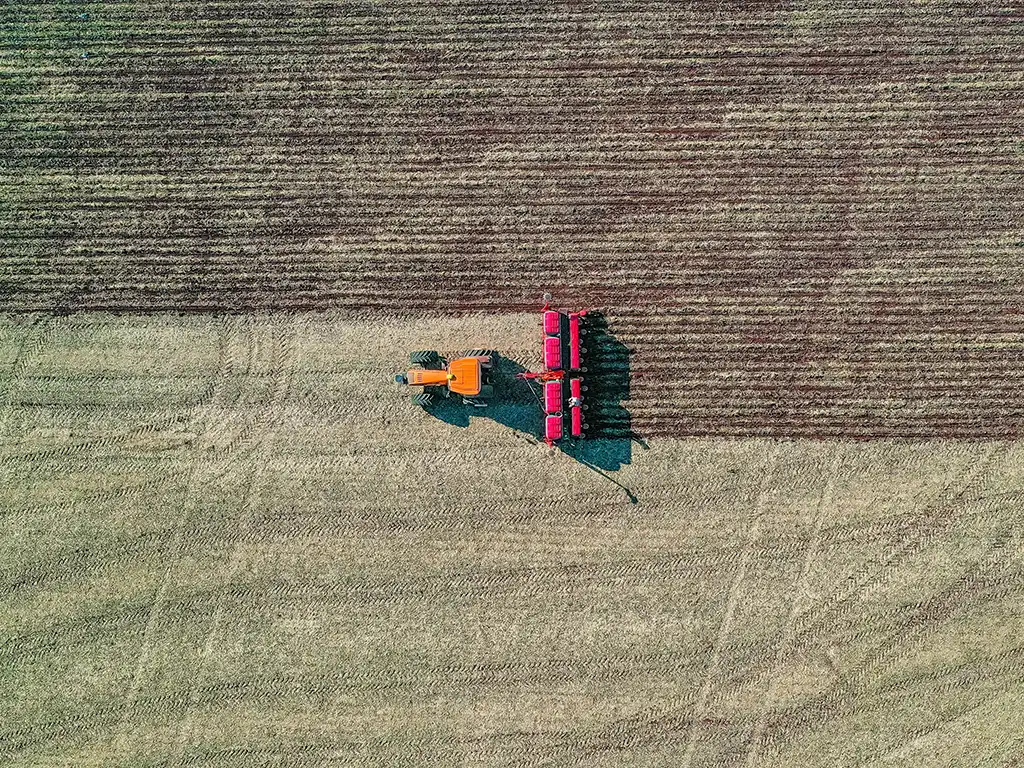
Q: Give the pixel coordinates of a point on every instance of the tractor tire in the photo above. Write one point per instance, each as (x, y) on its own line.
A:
(425, 357)
(481, 353)
(423, 399)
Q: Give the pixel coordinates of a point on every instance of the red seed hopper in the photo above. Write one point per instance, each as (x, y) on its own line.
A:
(562, 387)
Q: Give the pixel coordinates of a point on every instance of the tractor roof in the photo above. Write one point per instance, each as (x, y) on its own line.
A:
(464, 376)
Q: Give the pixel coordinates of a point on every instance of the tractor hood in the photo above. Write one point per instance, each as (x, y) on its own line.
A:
(427, 377)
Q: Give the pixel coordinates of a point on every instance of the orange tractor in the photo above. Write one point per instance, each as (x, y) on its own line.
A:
(468, 377)
(561, 382)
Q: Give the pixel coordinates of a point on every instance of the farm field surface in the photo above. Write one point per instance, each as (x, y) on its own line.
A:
(794, 537)
(232, 541)
(807, 215)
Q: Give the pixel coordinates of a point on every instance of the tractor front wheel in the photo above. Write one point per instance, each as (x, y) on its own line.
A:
(424, 357)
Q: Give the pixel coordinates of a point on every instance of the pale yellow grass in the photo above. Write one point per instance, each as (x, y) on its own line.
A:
(232, 541)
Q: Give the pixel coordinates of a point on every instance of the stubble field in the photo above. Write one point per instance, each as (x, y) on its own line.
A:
(226, 539)
(230, 541)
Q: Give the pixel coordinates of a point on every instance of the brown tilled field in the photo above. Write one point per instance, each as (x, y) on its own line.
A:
(795, 535)
(807, 216)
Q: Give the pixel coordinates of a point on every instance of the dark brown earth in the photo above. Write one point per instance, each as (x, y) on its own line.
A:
(802, 220)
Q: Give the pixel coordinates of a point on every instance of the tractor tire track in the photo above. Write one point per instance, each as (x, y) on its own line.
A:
(212, 400)
(57, 566)
(735, 591)
(33, 340)
(932, 520)
(799, 588)
(282, 369)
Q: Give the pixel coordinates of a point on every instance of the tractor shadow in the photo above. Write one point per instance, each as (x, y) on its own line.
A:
(514, 404)
(609, 437)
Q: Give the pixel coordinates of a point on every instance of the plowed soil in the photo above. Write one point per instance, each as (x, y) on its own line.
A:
(806, 216)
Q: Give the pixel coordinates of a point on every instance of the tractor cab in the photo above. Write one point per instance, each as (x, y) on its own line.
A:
(468, 377)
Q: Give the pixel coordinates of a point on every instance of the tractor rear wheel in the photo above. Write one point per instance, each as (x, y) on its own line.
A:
(423, 357)
(481, 353)
(424, 399)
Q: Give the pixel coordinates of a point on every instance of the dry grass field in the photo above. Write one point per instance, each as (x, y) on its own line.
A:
(232, 541)
(227, 539)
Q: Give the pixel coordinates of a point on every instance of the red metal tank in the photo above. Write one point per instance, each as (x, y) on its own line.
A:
(552, 353)
(553, 397)
(552, 322)
(574, 341)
